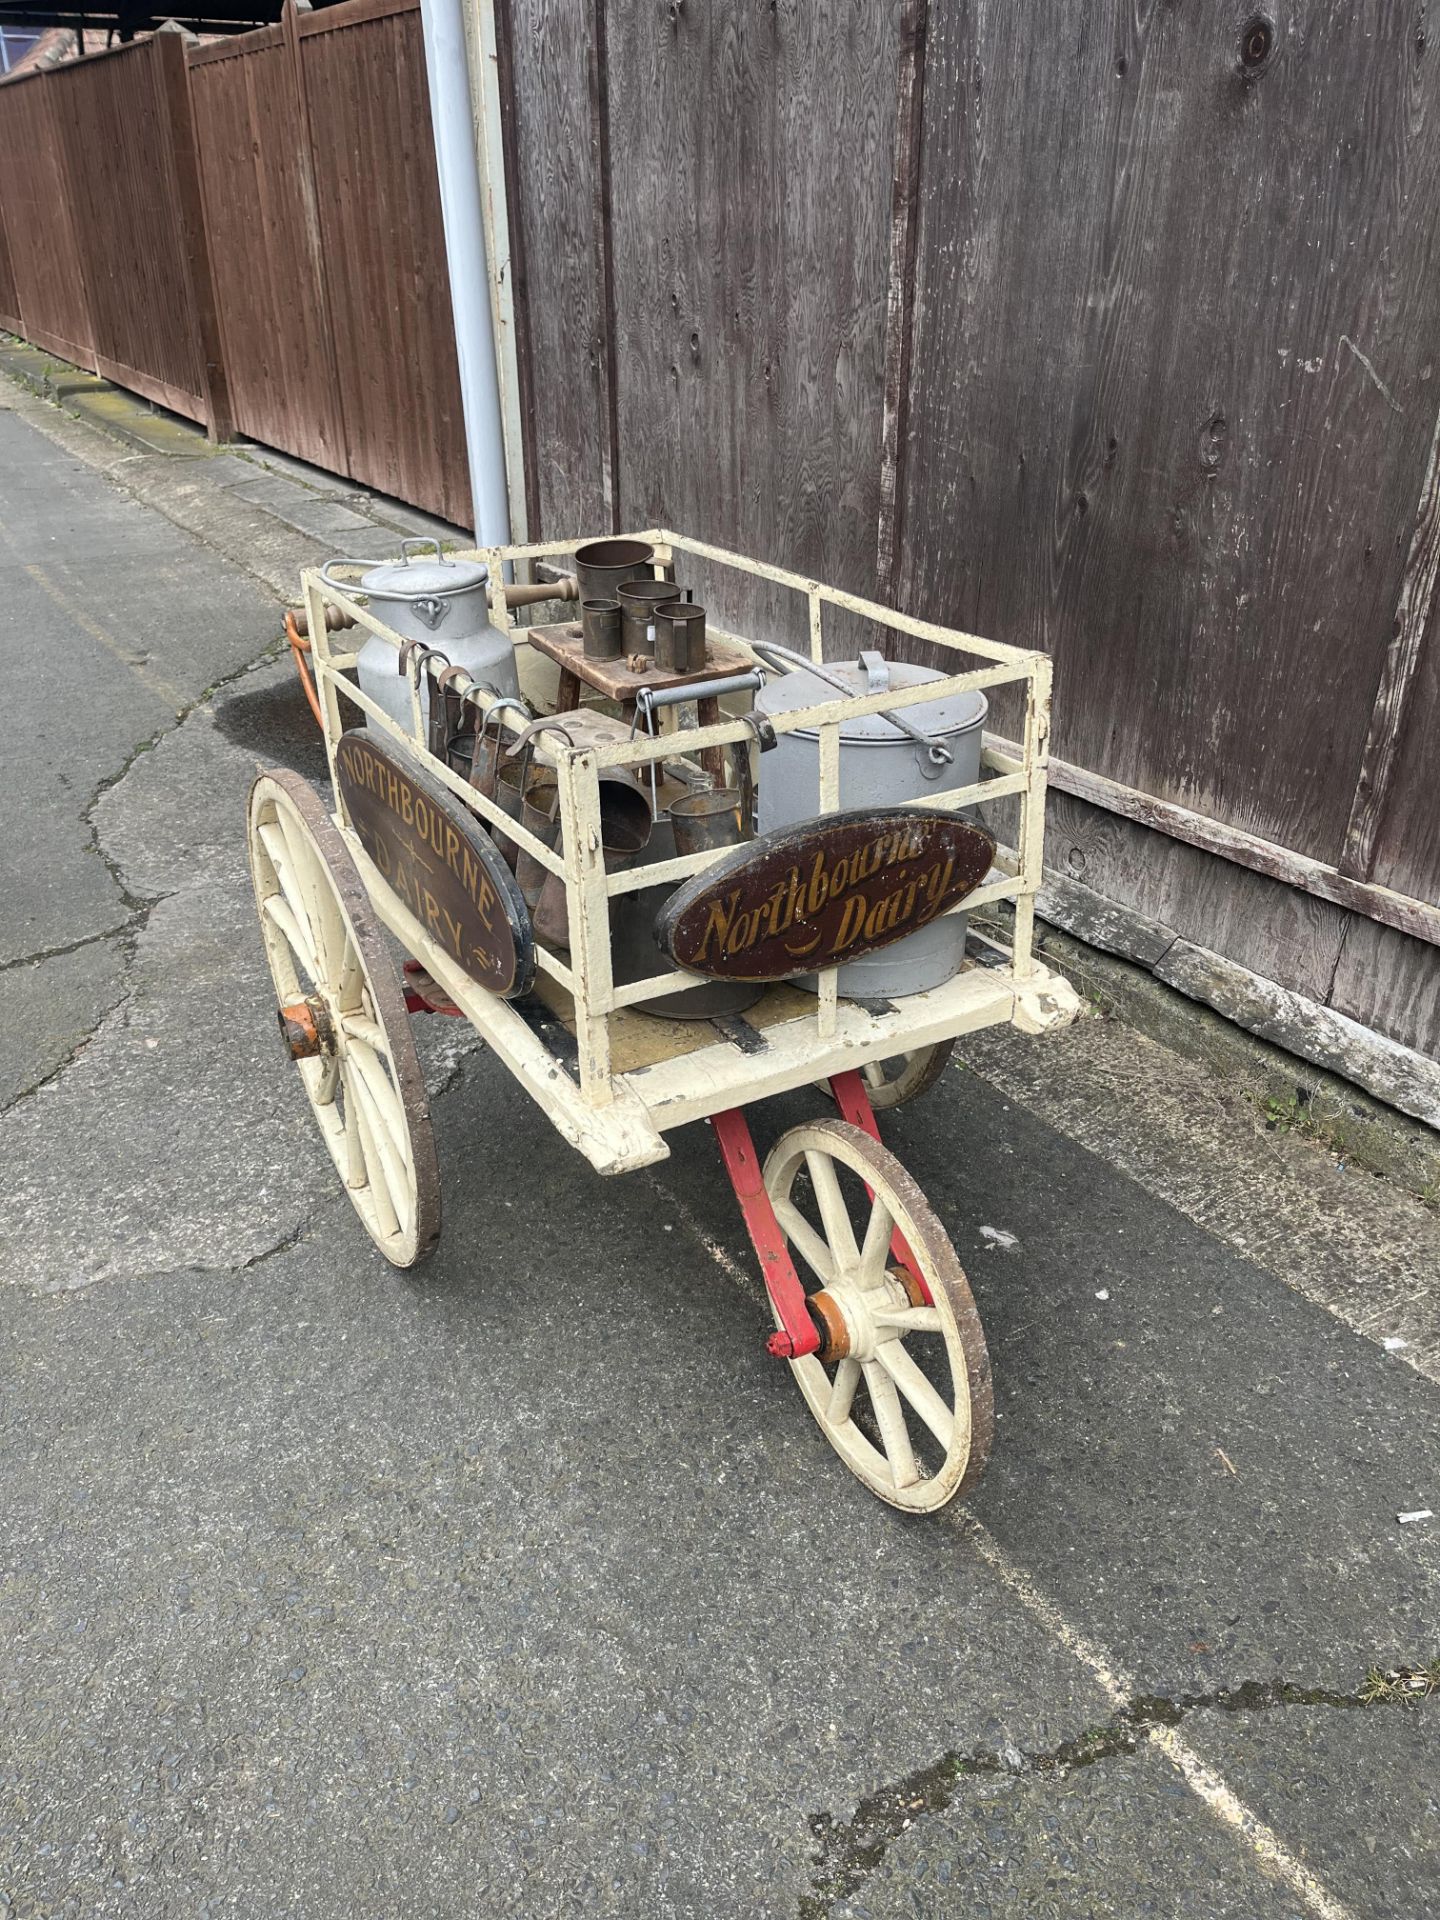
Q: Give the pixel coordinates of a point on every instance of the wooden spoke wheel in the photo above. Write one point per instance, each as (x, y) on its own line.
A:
(905, 1076)
(343, 1018)
(901, 1390)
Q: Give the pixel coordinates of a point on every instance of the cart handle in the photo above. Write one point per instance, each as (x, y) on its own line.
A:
(649, 698)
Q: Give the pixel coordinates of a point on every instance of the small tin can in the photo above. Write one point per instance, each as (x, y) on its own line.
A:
(680, 637)
(639, 600)
(600, 624)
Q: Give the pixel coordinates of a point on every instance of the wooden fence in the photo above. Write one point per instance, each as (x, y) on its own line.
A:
(1098, 328)
(338, 336)
(248, 233)
(102, 223)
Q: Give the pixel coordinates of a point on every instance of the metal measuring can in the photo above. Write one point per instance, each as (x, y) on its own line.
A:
(600, 622)
(639, 600)
(680, 637)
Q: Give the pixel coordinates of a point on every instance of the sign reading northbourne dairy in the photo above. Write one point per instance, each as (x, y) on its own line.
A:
(440, 862)
(831, 890)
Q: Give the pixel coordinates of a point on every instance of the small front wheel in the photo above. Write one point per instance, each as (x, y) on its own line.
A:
(901, 1386)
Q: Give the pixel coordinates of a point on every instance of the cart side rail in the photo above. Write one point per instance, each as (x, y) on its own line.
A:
(588, 976)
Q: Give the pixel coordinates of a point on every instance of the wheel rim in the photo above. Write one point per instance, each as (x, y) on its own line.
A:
(908, 1407)
(904, 1076)
(334, 976)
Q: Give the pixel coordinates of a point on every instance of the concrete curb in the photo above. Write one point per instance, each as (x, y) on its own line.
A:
(1305, 1069)
(338, 514)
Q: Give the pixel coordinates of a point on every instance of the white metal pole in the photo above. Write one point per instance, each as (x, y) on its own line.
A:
(450, 115)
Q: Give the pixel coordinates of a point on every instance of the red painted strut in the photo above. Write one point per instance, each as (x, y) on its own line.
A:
(854, 1104)
(798, 1333)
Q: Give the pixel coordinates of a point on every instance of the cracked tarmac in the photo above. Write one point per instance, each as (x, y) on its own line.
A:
(524, 1585)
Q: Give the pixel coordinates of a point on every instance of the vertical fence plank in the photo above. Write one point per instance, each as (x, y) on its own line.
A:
(378, 198)
(1381, 793)
(54, 309)
(9, 299)
(554, 162)
(900, 297)
(265, 246)
(1175, 323)
(173, 92)
(114, 115)
(752, 159)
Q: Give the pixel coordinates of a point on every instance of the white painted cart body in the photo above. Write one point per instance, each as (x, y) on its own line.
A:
(632, 1078)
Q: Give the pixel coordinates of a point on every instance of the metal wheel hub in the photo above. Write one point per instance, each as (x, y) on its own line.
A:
(847, 1316)
(307, 1028)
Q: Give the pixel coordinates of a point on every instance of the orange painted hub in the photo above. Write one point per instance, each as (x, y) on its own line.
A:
(825, 1312)
(305, 1027)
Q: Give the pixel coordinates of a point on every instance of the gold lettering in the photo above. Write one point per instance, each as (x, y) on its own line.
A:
(883, 916)
(722, 913)
(869, 862)
(817, 891)
(799, 948)
(741, 934)
(852, 919)
(936, 886)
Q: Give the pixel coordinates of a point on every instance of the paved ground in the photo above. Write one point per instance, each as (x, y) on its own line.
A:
(525, 1586)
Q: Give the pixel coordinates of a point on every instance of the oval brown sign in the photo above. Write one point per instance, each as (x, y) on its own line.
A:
(440, 862)
(833, 889)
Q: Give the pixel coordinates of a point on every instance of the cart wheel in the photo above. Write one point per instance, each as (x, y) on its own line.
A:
(920, 1430)
(342, 1012)
(905, 1076)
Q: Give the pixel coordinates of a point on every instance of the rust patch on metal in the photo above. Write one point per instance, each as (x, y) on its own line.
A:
(911, 1287)
(305, 1028)
(834, 1334)
(833, 889)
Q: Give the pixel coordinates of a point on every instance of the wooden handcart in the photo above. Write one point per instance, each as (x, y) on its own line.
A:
(872, 1310)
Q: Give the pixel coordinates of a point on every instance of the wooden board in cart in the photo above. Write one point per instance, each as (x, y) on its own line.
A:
(443, 866)
(831, 889)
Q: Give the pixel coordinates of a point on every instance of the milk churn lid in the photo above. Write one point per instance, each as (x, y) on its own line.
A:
(425, 575)
(955, 713)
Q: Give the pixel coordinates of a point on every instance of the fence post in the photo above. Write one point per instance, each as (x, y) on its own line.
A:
(310, 198)
(185, 165)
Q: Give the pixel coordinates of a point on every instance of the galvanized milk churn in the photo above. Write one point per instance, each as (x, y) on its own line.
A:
(440, 603)
(885, 761)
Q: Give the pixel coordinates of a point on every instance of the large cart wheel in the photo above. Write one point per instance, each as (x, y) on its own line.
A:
(342, 1013)
(905, 1076)
(901, 1390)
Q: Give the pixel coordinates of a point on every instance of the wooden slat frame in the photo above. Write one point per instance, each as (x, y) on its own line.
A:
(603, 1109)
